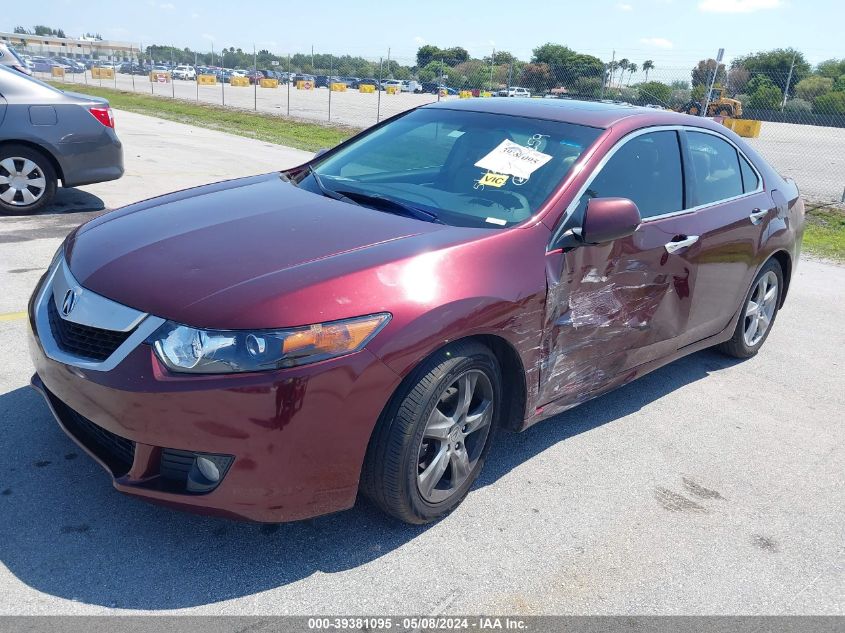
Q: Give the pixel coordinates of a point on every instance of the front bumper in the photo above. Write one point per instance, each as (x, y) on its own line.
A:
(298, 436)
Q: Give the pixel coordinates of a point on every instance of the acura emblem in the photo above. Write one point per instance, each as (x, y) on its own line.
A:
(69, 302)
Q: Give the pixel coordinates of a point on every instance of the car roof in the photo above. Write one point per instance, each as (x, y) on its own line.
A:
(591, 113)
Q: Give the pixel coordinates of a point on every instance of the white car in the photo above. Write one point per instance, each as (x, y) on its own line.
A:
(184, 72)
(515, 91)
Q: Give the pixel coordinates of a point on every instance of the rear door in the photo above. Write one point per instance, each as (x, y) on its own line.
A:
(731, 215)
(615, 306)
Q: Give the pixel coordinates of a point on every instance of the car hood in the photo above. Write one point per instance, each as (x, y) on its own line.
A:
(212, 256)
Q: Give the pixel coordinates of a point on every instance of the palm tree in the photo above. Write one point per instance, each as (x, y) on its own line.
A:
(632, 68)
(647, 66)
(623, 66)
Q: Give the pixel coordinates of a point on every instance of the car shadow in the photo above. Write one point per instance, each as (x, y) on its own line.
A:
(67, 533)
(68, 200)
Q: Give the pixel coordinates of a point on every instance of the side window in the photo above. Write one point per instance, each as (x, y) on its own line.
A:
(715, 168)
(750, 180)
(647, 170)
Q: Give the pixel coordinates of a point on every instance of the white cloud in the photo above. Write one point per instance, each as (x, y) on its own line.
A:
(195, 15)
(657, 42)
(737, 6)
(167, 6)
(624, 6)
(208, 36)
(419, 40)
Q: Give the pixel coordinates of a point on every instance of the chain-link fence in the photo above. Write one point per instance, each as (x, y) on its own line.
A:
(802, 113)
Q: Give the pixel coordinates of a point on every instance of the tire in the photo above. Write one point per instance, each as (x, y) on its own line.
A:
(411, 439)
(14, 190)
(741, 345)
(724, 111)
(693, 108)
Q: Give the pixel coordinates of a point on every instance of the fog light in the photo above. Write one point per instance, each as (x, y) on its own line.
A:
(208, 469)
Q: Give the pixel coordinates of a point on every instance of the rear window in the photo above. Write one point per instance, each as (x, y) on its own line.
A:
(715, 167)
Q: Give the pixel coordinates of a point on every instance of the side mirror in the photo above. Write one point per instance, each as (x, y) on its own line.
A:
(321, 151)
(608, 219)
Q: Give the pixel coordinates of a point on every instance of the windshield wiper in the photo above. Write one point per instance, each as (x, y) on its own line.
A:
(390, 205)
(329, 193)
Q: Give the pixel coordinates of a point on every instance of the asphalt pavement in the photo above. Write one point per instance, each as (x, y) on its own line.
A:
(711, 486)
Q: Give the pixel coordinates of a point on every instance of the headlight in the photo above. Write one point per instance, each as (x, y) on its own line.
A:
(188, 350)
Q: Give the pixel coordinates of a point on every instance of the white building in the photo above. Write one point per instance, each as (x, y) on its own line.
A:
(52, 46)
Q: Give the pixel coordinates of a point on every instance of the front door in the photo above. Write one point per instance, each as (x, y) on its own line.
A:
(615, 306)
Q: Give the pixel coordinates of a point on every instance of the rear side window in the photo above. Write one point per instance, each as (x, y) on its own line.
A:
(647, 170)
(715, 168)
(750, 179)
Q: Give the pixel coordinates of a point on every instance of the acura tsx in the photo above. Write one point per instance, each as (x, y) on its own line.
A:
(269, 347)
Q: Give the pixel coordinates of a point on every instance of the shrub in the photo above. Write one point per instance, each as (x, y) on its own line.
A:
(812, 87)
(765, 95)
(798, 105)
(654, 92)
(831, 103)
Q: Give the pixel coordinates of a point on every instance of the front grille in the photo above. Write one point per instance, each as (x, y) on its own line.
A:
(115, 451)
(83, 340)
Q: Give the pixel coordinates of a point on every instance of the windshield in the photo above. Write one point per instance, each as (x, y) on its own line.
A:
(466, 168)
(14, 58)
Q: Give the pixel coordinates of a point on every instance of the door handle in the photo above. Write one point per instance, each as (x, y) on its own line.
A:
(757, 215)
(675, 245)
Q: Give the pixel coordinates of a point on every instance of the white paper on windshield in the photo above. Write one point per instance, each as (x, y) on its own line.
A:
(513, 159)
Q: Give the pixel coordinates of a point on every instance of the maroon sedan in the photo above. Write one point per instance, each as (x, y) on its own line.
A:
(266, 347)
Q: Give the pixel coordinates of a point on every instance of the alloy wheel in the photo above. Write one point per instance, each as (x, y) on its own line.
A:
(22, 182)
(760, 309)
(455, 435)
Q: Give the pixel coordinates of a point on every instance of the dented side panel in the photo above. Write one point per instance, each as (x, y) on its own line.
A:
(611, 308)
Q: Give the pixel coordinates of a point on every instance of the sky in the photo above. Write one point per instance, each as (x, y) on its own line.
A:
(672, 33)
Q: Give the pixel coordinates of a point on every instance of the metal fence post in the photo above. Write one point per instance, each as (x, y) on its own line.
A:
(254, 79)
(290, 79)
(172, 83)
(331, 70)
(379, 89)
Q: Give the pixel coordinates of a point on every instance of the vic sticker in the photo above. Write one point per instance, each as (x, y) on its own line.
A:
(493, 180)
(514, 160)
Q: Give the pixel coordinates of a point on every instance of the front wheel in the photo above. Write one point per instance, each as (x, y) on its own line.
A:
(758, 313)
(431, 442)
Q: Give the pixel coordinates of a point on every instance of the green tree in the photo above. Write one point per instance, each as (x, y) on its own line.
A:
(765, 95)
(552, 54)
(632, 68)
(537, 77)
(814, 86)
(775, 64)
(623, 66)
(654, 92)
(647, 66)
(839, 84)
(589, 87)
(831, 103)
(832, 68)
(22, 31)
(702, 74)
(426, 54)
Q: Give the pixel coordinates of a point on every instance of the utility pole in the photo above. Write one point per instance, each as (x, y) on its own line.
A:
(788, 81)
(719, 57)
(492, 62)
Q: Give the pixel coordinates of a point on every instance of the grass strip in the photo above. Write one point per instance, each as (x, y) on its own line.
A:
(264, 127)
